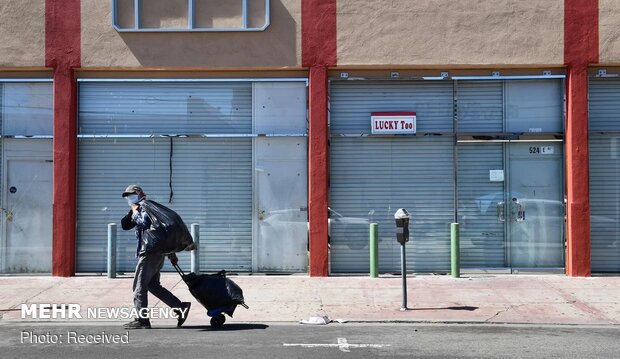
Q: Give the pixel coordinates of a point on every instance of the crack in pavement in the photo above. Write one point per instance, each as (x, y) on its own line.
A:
(511, 307)
(498, 313)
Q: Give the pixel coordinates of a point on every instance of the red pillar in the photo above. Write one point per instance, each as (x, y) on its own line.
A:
(580, 50)
(318, 171)
(62, 54)
(318, 28)
(577, 173)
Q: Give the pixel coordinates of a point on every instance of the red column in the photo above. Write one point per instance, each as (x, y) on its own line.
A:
(577, 173)
(62, 54)
(318, 28)
(580, 50)
(318, 171)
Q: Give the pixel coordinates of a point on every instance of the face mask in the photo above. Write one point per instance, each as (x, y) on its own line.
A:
(133, 199)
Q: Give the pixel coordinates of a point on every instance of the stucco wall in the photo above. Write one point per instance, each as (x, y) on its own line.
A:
(609, 31)
(438, 32)
(278, 46)
(22, 33)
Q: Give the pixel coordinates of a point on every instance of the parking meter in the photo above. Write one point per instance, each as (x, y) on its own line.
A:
(402, 236)
(402, 226)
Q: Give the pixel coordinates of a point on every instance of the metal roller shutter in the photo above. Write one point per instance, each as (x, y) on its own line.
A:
(604, 105)
(370, 179)
(105, 167)
(165, 108)
(352, 102)
(121, 127)
(212, 186)
(482, 235)
(212, 181)
(604, 141)
(480, 106)
(605, 203)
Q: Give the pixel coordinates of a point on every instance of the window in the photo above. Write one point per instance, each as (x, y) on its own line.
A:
(190, 15)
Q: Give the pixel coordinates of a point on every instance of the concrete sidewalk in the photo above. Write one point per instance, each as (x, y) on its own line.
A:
(541, 299)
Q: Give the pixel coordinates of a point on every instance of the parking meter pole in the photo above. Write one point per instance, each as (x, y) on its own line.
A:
(403, 265)
(374, 250)
(402, 218)
(111, 250)
(195, 253)
(455, 250)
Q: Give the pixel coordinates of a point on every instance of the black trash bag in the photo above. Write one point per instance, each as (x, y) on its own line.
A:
(167, 233)
(214, 290)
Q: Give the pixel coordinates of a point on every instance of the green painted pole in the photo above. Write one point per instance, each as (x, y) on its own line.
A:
(374, 250)
(455, 250)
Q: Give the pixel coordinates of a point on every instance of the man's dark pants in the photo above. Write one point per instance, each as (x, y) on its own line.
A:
(147, 280)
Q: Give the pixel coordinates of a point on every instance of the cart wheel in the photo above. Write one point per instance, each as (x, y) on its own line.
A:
(218, 321)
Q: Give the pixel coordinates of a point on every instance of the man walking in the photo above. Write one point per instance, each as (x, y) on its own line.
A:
(147, 274)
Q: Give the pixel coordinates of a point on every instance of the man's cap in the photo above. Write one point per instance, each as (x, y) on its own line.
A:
(132, 189)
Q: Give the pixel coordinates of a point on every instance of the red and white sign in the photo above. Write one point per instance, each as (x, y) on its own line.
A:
(390, 123)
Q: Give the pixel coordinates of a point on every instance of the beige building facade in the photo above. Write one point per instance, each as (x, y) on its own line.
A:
(493, 74)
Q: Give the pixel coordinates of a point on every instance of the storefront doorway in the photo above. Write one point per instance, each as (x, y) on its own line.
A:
(26, 176)
(512, 210)
(27, 209)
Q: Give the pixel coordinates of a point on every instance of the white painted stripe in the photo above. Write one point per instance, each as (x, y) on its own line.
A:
(343, 345)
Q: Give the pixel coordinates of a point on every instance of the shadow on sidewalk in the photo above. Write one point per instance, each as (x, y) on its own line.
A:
(465, 307)
(227, 327)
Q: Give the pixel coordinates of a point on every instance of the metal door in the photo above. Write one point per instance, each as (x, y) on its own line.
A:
(28, 216)
(281, 210)
(511, 205)
(534, 210)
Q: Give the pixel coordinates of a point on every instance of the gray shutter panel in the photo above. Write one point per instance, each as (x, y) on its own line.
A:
(212, 183)
(480, 106)
(105, 168)
(165, 108)
(481, 234)
(604, 151)
(370, 178)
(213, 186)
(605, 203)
(212, 177)
(352, 102)
(604, 105)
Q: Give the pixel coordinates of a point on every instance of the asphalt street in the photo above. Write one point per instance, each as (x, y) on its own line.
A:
(285, 340)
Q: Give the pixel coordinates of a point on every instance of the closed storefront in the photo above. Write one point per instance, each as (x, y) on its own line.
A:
(510, 173)
(371, 176)
(199, 147)
(285, 128)
(604, 140)
(26, 173)
(486, 153)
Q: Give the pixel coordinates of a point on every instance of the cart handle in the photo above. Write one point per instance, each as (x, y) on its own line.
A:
(180, 271)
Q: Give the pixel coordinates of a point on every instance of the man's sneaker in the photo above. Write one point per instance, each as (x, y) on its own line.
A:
(138, 324)
(184, 309)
